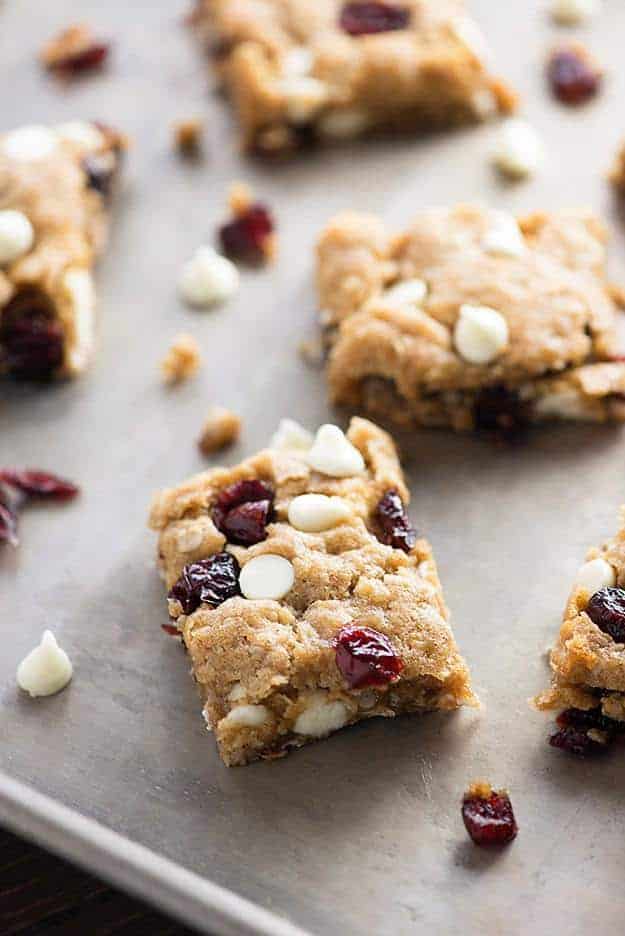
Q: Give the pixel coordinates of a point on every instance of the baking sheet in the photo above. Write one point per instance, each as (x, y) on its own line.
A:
(360, 833)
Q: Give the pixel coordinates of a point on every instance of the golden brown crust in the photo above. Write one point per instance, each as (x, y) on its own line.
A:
(559, 310)
(431, 73)
(279, 654)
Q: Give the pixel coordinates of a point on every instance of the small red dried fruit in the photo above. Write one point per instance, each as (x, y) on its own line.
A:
(39, 484)
(395, 528)
(247, 237)
(75, 50)
(171, 629)
(208, 581)
(243, 510)
(606, 609)
(366, 657)
(589, 718)
(573, 75)
(31, 345)
(577, 741)
(501, 411)
(488, 815)
(366, 18)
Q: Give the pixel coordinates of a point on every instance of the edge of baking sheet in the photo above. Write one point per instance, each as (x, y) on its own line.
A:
(124, 863)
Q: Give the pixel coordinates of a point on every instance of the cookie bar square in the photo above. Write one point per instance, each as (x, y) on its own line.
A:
(471, 318)
(298, 71)
(55, 187)
(588, 659)
(304, 597)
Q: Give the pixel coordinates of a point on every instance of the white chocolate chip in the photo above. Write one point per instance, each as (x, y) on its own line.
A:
(313, 513)
(82, 134)
(595, 574)
(503, 237)
(208, 278)
(343, 124)
(304, 97)
(333, 454)
(563, 404)
(29, 143)
(237, 693)
(80, 290)
(519, 151)
(291, 437)
(574, 12)
(466, 31)
(47, 669)
(16, 236)
(247, 716)
(298, 61)
(481, 334)
(266, 576)
(411, 292)
(321, 717)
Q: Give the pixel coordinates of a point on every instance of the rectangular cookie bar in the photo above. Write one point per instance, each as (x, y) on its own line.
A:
(55, 184)
(304, 597)
(588, 659)
(471, 318)
(299, 71)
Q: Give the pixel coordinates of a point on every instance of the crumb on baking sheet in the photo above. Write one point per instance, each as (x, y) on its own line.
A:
(221, 428)
(187, 136)
(182, 360)
(74, 49)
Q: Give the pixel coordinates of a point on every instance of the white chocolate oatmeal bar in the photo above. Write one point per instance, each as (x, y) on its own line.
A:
(55, 186)
(304, 597)
(331, 70)
(588, 660)
(471, 319)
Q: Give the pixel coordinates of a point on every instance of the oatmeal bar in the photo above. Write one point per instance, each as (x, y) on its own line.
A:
(55, 185)
(588, 660)
(298, 70)
(304, 597)
(471, 319)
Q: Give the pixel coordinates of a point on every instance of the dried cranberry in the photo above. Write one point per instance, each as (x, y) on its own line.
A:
(489, 820)
(394, 524)
(606, 609)
(243, 510)
(92, 56)
(364, 18)
(39, 484)
(99, 169)
(577, 741)
(31, 340)
(171, 629)
(208, 581)
(501, 411)
(366, 657)
(246, 237)
(589, 718)
(573, 75)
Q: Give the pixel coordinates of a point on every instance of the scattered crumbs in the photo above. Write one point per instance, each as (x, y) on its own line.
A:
(221, 429)
(182, 360)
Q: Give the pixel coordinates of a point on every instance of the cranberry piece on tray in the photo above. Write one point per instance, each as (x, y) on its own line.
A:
(488, 815)
(573, 74)
(247, 236)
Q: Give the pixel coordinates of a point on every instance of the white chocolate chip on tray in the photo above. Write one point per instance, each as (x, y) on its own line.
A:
(45, 670)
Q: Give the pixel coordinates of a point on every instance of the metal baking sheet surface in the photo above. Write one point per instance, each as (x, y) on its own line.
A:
(361, 833)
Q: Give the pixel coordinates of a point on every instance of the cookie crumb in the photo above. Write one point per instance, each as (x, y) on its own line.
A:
(187, 135)
(75, 49)
(182, 360)
(312, 352)
(221, 429)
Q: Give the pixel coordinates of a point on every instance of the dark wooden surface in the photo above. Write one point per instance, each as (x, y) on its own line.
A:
(41, 894)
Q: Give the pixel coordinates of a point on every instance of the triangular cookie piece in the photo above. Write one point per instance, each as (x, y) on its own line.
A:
(588, 660)
(304, 597)
(55, 187)
(471, 319)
